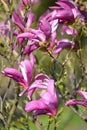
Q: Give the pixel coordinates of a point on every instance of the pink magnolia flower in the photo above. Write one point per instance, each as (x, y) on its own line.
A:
(48, 102)
(24, 77)
(82, 102)
(65, 11)
(36, 37)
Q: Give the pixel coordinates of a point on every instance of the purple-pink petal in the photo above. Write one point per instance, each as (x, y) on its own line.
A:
(35, 105)
(82, 94)
(45, 27)
(18, 21)
(41, 82)
(15, 74)
(48, 102)
(40, 107)
(29, 48)
(26, 67)
(25, 35)
(66, 11)
(25, 2)
(63, 44)
(82, 102)
(76, 102)
(30, 20)
(34, 35)
(65, 15)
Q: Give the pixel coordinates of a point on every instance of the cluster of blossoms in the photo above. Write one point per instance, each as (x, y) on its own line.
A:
(46, 32)
(45, 35)
(48, 102)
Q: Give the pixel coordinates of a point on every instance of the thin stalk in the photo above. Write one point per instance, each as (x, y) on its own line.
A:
(13, 108)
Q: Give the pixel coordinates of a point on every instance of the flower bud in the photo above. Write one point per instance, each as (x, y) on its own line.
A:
(25, 2)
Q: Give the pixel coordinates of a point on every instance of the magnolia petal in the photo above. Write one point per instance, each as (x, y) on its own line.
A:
(18, 21)
(63, 44)
(82, 94)
(30, 48)
(44, 26)
(32, 59)
(14, 74)
(40, 108)
(76, 102)
(25, 35)
(34, 105)
(31, 19)
(26, 69)
(79, 102)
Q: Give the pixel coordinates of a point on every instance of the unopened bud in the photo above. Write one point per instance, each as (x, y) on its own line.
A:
(25, 2)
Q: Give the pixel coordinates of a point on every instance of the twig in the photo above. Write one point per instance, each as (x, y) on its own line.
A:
(82, 68)
(9, 83)
(55, 124)
(64, 63)
(13, 108)
(3, 119)
(49, 122)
